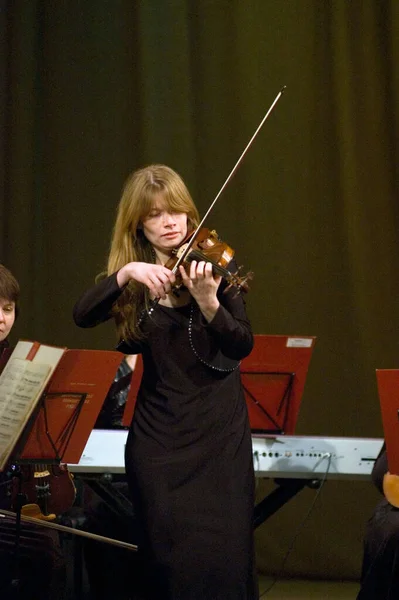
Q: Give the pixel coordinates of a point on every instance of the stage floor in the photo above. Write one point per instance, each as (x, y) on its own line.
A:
(295, 589)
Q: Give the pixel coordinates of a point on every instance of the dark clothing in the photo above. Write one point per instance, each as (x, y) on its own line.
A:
(111, 413)
(380, 568)
(5, 352)
(189, 454)
(40, 568)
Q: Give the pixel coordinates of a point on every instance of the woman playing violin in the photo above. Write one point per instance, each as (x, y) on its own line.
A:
(188, 454)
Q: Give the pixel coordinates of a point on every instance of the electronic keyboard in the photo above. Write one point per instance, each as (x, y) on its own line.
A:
(281, 456)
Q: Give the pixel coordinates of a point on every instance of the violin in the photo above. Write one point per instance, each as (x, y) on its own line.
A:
(46, 490)
(207, 246)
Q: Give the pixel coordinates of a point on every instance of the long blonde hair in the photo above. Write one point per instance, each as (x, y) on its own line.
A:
(128, 243)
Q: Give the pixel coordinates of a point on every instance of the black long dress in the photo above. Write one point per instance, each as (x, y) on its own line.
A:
(188, 453)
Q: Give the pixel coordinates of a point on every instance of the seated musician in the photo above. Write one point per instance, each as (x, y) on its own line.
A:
(109, 568)
(9, 295)
(37, 572)
(380, 567)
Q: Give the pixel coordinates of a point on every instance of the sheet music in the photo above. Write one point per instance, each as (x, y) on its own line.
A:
(48, 354)
(22, 348)
(21, 383)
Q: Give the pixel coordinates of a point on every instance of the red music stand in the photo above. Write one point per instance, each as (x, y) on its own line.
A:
(273, 377)
(67, 411)
(388, 391)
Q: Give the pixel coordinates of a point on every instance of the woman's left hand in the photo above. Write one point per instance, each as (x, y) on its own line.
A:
(203, 285)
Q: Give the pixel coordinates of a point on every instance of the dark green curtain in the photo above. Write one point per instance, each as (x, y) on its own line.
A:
(92, 89)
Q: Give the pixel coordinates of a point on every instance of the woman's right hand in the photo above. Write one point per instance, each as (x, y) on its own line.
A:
(157, 278)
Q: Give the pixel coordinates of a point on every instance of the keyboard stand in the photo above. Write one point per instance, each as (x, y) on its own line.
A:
(286, 489)
(102, 485)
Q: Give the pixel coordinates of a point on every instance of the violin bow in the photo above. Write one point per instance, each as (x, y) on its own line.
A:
(65, 529)
(234, 169)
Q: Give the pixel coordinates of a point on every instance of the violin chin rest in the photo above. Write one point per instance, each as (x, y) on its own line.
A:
(33, 510)
(390, 486)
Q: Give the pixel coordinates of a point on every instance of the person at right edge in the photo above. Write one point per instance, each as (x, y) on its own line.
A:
(188, 454)
(380, 566)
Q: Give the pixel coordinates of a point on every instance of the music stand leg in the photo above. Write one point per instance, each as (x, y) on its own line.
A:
(15, 584)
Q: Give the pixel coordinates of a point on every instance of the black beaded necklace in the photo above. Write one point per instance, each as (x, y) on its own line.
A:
(204, 362)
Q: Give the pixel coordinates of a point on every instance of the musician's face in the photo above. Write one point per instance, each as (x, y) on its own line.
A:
(7, 317)
(163, 228)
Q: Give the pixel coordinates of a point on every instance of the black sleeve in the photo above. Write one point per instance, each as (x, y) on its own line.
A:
(95, 305)
(230, 327)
